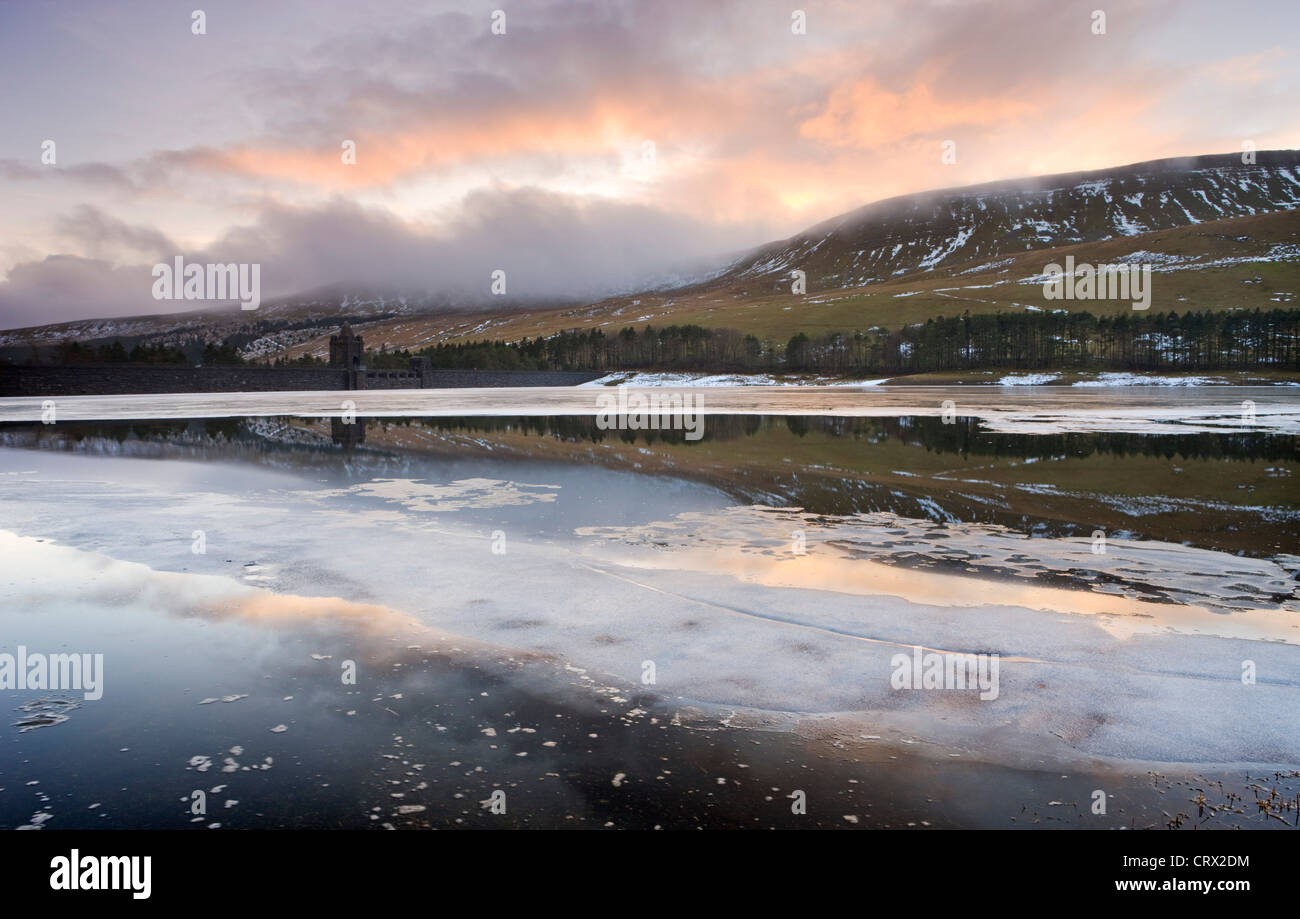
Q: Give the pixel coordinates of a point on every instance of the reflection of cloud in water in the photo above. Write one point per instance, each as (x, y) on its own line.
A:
(1134, 587)
(37, 574)
(463, 494)
(792, 653)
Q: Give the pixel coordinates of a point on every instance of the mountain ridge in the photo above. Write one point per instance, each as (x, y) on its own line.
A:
(974, 222)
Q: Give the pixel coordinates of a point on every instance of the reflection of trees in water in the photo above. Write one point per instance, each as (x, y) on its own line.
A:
(298, 443)
(963, 436)
(578, 428)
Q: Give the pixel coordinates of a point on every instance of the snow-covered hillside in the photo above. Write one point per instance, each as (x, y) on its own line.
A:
(986, 223)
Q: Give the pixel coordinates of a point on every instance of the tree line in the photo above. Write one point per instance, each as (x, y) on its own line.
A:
(74, 352)
(1039, 340)
(1193, 341)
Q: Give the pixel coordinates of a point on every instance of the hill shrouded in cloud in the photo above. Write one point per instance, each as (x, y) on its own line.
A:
(1208, 226)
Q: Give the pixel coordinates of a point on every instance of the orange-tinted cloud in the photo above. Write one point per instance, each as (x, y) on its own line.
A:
(864, 114)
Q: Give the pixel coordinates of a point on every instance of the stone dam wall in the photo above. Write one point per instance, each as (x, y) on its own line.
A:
(120, 379)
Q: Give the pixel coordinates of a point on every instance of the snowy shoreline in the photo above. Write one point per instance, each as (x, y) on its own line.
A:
(1047, 378)
(1009, 409)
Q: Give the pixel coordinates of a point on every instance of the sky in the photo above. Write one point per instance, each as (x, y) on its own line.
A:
(583, 148)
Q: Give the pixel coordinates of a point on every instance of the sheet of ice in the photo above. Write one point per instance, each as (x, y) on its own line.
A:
(1146, 586)
(1144, 666)
(453, 496)
(1142, 379)
(1020, 409)
(714, 380)
(1028, 379)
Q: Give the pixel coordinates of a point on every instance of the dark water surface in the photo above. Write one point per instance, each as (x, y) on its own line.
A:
(435, 725)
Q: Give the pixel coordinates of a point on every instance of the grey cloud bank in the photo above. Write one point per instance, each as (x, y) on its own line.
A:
(550, 246)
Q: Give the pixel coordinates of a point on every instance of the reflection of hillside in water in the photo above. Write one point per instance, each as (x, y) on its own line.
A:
(963, 436)
(776, 460)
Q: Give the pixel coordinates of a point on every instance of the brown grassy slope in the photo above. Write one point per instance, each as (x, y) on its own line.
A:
(770, 311)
